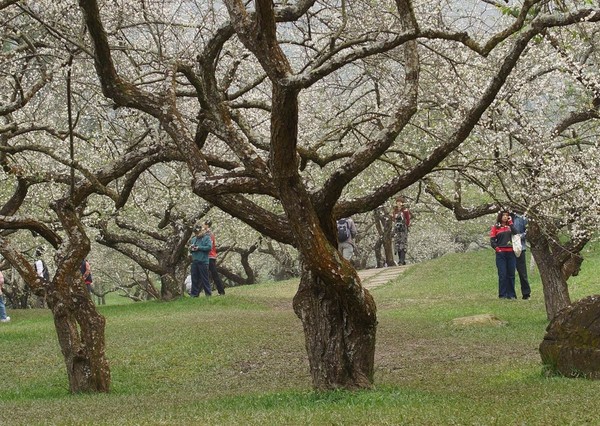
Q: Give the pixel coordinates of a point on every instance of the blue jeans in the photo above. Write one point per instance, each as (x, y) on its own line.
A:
(2, 308)
(200, 279)
(522, 270)
(506, 262)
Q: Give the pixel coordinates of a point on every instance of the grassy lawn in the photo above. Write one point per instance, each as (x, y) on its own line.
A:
(240, 360)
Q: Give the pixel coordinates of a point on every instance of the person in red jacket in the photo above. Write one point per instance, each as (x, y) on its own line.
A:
(212, 260)
(506, 262)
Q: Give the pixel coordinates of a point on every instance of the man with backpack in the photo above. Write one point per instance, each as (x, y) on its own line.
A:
(40, 267)
(346, 229)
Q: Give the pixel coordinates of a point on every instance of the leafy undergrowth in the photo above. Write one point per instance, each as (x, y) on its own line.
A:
(240, 359)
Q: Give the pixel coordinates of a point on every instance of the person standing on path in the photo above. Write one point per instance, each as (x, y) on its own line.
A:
(501, 241)
(520, 224)
(212, 260)
(200, 246)
(401, 220)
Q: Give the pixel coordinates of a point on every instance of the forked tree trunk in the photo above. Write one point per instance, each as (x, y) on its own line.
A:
(80, 331)
(339, 327)
(79, 326)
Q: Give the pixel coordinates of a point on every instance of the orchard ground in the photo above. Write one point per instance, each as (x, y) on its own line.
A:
(240, 359)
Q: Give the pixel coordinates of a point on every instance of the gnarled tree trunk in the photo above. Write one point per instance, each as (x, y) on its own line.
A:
(556, 291)
(80, 330)
(339, 326)
(79, 326)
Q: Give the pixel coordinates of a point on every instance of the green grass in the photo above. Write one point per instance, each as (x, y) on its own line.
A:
(240, 360)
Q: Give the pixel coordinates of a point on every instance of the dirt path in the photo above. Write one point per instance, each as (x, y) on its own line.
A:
(372, 278)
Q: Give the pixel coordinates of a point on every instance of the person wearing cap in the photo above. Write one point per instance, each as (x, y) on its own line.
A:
(200, 246)
(212, 260)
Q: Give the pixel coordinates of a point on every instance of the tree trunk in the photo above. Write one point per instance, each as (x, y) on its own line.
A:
(79, 326)
(172, 284)
(556, 291)
(80, 331)
(384, 226)
(339, 327)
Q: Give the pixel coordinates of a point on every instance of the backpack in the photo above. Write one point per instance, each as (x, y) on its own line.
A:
(400, 226)
(343, 230)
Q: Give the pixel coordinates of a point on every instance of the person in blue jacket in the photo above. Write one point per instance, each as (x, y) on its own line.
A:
(520, 224)
(200, 246)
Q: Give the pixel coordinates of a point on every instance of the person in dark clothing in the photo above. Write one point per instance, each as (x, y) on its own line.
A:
(200, 245)
(520, 223)
(212, 260)
(401, 220)
(347, 232)
(501, 241)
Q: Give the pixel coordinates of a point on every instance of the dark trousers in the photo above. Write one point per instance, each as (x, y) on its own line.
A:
(401, 257)
(212, 268)
(200, 279)
(522, 270)
(506, 262)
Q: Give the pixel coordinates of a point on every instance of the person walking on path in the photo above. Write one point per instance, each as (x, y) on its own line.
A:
(520, 224)
(401, 220)
(3, 316)
(501, 241)
(346, 233)
(212, 260)
(200, 246)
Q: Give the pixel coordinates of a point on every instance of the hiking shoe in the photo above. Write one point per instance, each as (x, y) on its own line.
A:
(7, 319)
(526, 297)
